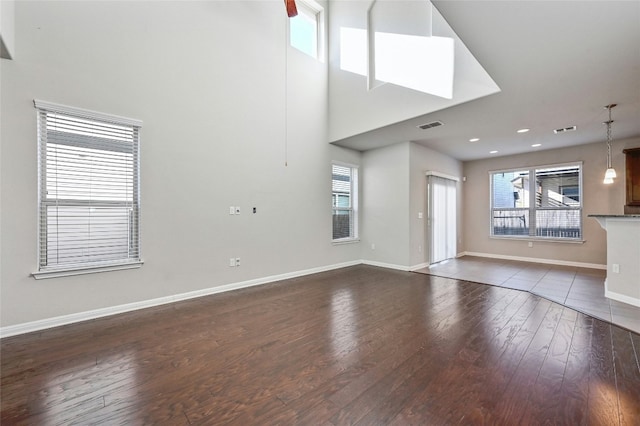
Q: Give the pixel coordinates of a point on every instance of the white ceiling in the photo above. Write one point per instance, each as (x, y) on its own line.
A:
(558, 63)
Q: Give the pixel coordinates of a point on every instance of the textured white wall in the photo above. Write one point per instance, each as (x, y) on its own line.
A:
(354, 109)
(623, 249)
(7, 28)
(385, 201)
(207, 79)
(394, 191)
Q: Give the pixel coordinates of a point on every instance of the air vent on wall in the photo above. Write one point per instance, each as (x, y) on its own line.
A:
(430, 125)
(565, 129)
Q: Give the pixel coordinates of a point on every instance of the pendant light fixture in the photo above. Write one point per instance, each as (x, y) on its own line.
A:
(610, 174)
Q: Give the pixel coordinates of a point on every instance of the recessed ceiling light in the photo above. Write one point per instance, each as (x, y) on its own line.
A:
(493, 152)
(522, 130)
(474, 139)
(535, 145)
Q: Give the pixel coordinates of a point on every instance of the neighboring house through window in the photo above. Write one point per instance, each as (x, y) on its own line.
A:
(89, 190)
(541, 202)
(344, 184)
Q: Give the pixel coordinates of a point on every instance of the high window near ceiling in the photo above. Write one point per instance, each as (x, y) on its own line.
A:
(542, 202)
(344, 197)
(305, 29)
(89, 191)
(399, 46)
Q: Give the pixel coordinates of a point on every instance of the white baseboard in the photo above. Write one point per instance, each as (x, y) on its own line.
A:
(386, 265)
(419, 266)
(620, 297)
(535, 260)
(32, 326)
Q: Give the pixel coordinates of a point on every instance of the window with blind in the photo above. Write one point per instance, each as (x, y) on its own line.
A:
(541, 202)
(89, 190)
(344, 184)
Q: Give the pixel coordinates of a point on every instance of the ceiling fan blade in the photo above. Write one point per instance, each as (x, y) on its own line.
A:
(291, 8)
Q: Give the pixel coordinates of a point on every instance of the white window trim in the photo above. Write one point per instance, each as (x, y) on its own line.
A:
(311, 7)
(94, 115)
(68, 272)
(580, 240)
(355, 195)
(71, 270)
(442, 175)
(344, 241)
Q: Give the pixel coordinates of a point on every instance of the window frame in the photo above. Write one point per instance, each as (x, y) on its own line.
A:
(352, 210)
(43, 110)
(532, 209)
(314, 12)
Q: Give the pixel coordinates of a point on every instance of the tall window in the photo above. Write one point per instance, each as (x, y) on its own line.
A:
(344, 184)
(305, 29)
(542, 202)
(89, 189)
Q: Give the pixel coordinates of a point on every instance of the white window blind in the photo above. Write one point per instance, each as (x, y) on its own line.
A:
(89, 188)
(344, 184)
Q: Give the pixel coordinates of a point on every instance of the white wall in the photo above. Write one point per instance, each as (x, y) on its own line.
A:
(423, 159)
(7, 32)
(597, 199)
(207, 79)
(354, 109)
(394, 191)
(385, 201)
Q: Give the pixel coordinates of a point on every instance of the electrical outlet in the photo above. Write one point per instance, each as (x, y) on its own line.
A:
(237, 261)
(232, 262)
(373, 246)
(237, 209)
(232, 210)
(616, 268)
(530, 243)
(420, 215)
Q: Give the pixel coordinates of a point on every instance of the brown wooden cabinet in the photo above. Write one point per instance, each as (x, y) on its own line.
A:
(632, 157)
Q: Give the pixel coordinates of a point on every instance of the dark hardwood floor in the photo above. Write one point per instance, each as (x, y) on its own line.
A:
(358, 345)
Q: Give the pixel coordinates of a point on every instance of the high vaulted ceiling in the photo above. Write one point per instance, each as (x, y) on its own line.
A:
(558, 63)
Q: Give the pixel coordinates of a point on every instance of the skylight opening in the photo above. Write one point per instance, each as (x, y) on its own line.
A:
(353, 50)
(421, 63)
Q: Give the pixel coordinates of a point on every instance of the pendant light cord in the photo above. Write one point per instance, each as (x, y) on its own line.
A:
(286, 93)
(609, 139)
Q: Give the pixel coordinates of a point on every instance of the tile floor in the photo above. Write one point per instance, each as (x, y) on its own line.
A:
(579, 288)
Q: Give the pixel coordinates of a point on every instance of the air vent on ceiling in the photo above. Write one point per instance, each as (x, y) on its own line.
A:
(565, 129)
(430, 125)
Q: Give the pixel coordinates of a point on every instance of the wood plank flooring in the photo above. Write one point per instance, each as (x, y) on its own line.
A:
(360, 345)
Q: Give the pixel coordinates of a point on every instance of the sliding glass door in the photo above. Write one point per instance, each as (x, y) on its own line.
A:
(442, 218)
